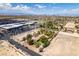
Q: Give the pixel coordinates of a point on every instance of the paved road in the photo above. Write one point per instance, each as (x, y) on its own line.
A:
(24, 49)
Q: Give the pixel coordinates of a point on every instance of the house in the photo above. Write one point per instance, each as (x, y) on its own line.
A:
(70, 27)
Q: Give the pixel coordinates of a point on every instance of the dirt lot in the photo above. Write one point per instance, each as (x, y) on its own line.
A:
(7, 50)
(63, 44)
(19, 37)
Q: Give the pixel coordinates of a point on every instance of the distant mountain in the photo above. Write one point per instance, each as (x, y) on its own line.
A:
(29, 14)
(18, 14)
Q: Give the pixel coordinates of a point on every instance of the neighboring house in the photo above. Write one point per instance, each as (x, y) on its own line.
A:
(69, 27)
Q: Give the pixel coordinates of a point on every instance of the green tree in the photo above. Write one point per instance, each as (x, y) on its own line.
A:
(43, 40)
(29, 39)
(30, 42)
(49, 34)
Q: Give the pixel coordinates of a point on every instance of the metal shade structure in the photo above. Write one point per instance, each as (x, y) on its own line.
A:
(15, 25)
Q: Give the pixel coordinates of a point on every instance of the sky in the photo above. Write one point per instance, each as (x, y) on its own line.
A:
(62, 9)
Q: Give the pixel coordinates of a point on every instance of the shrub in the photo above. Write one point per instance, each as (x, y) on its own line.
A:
(38, 32)
(43, 40)
(49, 34)
(30, 42)
(42, 25)
(41, 31)
(29, 37)
(49, 24)
(46, 44)
(37, 44)
(24, 38)
(35, 34)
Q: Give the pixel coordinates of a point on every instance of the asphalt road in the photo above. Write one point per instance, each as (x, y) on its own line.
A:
(24, 49)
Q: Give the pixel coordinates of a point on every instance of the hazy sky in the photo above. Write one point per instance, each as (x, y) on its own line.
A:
(71, 9)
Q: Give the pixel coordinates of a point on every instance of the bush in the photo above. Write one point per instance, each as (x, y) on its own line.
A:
(46, 44)
(49, 34)
(42, 30)
(35, 34)
(30, 42)
(29, 37)
(24, 38)
(38, 32)
(42, 25)
(37, 44)
(43, 40)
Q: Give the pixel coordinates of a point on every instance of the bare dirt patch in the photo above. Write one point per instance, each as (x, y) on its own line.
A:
(63, 44)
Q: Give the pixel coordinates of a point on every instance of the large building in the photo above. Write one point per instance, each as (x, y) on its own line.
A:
(3, 33)
(17, 28)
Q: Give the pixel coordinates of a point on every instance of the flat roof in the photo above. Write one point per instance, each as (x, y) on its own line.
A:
(30, 22)
(15, 25)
